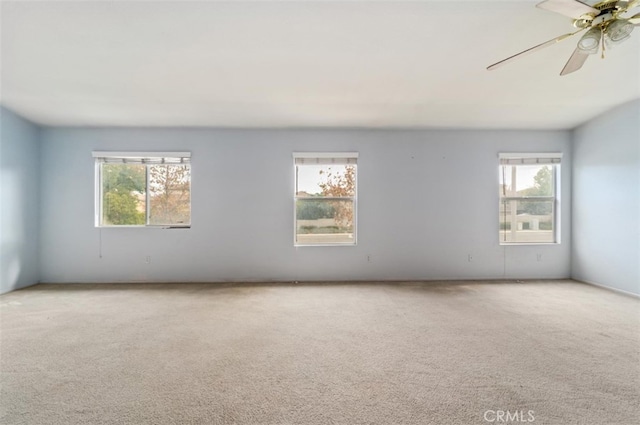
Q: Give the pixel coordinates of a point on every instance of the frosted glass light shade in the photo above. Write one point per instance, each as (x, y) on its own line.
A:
(590, 41)
(619, 30)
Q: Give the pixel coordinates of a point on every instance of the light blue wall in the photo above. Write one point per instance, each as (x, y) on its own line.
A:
(606, 200)
(427, 200)
(19, 202)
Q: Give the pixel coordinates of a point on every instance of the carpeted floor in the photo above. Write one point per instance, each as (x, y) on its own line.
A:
(381, 353)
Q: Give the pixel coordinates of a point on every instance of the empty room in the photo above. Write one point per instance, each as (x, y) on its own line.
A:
(320, 212)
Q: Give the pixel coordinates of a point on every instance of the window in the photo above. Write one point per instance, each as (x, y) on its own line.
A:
(325, 198)
(528, 198)
(143, 189)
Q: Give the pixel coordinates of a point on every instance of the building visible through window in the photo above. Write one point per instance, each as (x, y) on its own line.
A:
(529, 207)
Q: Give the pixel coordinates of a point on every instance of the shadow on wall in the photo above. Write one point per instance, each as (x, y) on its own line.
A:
(11, 268)
(12, 231)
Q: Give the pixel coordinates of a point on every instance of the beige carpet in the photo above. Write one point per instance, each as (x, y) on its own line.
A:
(395, 353)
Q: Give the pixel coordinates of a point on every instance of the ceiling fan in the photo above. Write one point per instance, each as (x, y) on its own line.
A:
(603, 22)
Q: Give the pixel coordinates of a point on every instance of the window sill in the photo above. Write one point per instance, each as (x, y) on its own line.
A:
(143, 227)
(528, 243)
(323, 244)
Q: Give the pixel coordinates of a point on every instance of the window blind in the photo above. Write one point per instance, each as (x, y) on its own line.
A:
(142, 157)
(322, 158)
(530, 159)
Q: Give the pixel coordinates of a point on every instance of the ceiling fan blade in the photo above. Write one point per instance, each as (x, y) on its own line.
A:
(575, 62)
(635, 19)
(571, 8)
(532, 49)
(628, 4)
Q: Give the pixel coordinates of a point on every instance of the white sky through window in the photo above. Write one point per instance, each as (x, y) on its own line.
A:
(525, 177)
(309, 177)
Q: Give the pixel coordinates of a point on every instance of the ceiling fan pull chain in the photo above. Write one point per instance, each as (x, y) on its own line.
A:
(603, 45)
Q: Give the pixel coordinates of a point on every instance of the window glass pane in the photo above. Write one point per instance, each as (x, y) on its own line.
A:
(325, 180)
(123, 194)
(169, 194)
(526, 221)
(324, 221)
(526, 180)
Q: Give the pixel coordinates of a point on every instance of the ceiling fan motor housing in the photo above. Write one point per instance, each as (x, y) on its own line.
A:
(607, 9)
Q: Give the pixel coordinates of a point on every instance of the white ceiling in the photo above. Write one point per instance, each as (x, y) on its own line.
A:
(375, 64)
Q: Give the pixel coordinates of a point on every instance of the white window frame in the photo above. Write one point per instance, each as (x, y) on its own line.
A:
(145, 158)
(553, 159)
(325, 158)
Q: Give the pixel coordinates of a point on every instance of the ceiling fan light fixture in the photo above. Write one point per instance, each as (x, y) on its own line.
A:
(619, 30)
(602, 24)
(590, 41)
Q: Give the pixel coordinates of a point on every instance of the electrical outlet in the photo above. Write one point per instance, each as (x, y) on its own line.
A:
(147, 259)
(368, 258)
(470, 258)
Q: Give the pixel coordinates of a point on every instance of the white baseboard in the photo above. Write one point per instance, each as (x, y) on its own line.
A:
(599, 285)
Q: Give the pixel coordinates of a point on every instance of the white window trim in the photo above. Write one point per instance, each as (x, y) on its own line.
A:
(326, 155)
(130, 155)
(548, 158)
